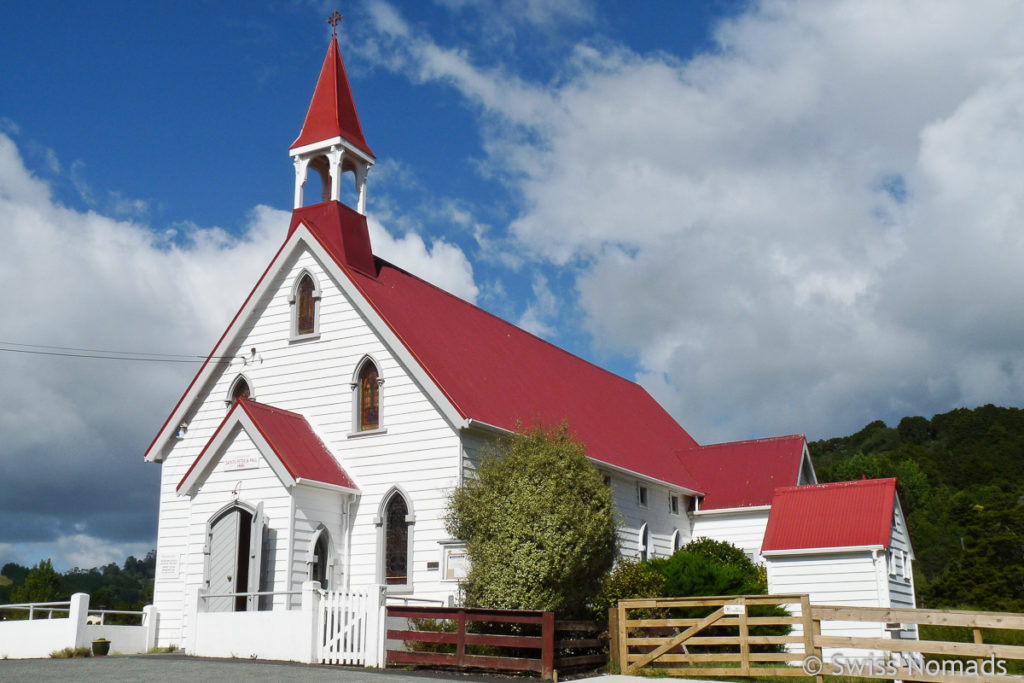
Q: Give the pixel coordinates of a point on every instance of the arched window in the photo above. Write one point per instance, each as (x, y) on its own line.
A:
(320, 562)
(644, 543)
(305, 302)
(239, 389)
(306, 318)
(396, 553)
(677, 540)
(394, 523)
(369, 397)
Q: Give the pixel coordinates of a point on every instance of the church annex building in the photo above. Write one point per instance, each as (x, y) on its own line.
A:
(347, 398)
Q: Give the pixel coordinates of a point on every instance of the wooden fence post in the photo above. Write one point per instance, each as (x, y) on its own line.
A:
(460, 642)
(613, 640)
(623, 637)
(811, 628)
(744, 640)
(547, 653)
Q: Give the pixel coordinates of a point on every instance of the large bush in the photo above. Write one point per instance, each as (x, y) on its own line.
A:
(708, 567)
(538, 523)
(628, 579)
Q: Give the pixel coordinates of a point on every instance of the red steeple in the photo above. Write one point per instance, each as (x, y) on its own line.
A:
(332, 112)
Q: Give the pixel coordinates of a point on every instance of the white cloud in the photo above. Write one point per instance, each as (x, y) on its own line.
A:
(815, 226)
(74, 430)
(441, 264)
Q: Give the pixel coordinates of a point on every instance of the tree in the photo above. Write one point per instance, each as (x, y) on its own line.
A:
(42, 584)
(539, 525)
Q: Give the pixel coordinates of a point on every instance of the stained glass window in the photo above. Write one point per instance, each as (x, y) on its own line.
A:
(396, 543)
(306, 321)
(369, 397)
(239, 390)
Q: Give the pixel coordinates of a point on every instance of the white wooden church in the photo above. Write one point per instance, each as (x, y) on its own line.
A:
(321, 438)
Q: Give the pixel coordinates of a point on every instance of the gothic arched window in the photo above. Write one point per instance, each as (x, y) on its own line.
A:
(396, 541)
(240, 389)
(369, 397)
(306, 316)
(644, 543)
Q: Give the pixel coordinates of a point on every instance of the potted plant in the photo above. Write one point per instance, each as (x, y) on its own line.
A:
(100, 647)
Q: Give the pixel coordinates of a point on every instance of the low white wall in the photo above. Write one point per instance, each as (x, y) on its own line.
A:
(125, 640)
(36, 638)
(31, 639)
(282, 635)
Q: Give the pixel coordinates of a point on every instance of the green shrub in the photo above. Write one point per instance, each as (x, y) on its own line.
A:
(70, 652)
(627, 579)
(539, 525)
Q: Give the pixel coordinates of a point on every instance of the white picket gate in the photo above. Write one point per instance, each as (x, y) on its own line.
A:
(350, 627)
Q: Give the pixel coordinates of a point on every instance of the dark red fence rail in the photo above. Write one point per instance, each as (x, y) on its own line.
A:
(448, 635)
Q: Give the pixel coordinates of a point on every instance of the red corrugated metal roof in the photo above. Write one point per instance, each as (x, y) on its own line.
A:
(332, 111)
(838, 515)
(293, 441)
(745, 473)
(496, 373)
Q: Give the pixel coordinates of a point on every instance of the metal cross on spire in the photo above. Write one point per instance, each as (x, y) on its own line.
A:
(333, 21)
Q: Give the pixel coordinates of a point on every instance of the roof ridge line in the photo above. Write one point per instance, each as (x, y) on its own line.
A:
(760, 440)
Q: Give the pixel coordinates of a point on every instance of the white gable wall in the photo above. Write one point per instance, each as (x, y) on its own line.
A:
(743, 527)
(253, 487)
(419, 450)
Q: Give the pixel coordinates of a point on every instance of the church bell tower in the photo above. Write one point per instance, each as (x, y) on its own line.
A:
(331, 142)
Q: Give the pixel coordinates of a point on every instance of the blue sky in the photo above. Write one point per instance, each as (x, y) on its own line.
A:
(780, 217)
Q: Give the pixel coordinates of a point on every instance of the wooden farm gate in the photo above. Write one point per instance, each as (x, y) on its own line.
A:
(458, 637)
(726, 636)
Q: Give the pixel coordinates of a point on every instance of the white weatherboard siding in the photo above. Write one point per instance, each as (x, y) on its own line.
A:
(840, 578)
(314, 507)
(744, 528)
(901, 575)
(420, 451)
(661, 523)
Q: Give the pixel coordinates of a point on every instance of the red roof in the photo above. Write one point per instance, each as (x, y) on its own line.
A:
(291, 439)
(839, 515)
(745, 473)
(496, 373)
(332, 111)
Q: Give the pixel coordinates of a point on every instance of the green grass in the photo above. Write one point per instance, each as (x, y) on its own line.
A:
(69, 652)
(162, 650)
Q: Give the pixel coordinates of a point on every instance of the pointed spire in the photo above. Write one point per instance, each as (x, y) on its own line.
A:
(332, 112)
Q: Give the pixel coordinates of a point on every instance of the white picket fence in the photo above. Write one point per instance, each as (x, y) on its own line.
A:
(351, 627)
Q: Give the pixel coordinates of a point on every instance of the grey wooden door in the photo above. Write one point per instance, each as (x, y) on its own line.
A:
(223, 565)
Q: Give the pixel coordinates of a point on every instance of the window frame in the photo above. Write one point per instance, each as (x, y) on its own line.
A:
(673, 504)
(229, 398)
(410, 523)
(643, 542)
(642, 495)
(294, 303)
(357, 413)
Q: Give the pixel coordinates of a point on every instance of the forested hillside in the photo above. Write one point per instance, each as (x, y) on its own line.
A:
(111, 587)
(961, 482)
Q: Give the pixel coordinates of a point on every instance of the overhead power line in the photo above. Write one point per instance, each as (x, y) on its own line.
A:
(103, 354)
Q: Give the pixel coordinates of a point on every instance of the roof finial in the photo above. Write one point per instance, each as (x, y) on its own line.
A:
(333, 21)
